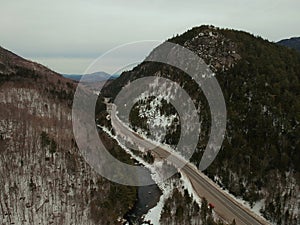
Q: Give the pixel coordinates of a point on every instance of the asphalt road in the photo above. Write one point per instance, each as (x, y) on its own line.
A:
(225, 206)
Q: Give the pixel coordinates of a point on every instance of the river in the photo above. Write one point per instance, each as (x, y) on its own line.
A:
(147, 198)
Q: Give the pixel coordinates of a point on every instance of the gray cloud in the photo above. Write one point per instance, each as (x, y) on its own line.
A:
(84, 29)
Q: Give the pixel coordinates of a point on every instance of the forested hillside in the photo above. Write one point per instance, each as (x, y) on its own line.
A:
(43, 177)
(260, 157)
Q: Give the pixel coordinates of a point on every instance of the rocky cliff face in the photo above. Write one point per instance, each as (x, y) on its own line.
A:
(44, 180)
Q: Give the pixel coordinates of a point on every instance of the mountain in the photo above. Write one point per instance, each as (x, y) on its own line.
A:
(44, 179)
(94, 77)
(75, 77)
(260, 157)
(291, 43)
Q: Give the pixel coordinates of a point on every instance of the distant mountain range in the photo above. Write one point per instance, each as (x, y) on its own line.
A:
(291, 43)
(93, 77)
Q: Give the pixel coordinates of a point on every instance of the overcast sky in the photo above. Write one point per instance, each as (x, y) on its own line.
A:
(67, 35)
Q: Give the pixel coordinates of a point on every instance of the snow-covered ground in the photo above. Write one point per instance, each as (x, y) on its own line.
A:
(154, 214)
(157, 122)
(167, 187)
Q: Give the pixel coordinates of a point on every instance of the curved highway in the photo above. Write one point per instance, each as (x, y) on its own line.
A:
(225, 205)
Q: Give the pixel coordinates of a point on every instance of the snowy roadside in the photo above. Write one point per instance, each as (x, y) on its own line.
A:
(154, 214)
(255, 209)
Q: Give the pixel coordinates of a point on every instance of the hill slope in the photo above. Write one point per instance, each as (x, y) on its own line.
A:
(260, 156)
(291, 43)
(44, 179)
